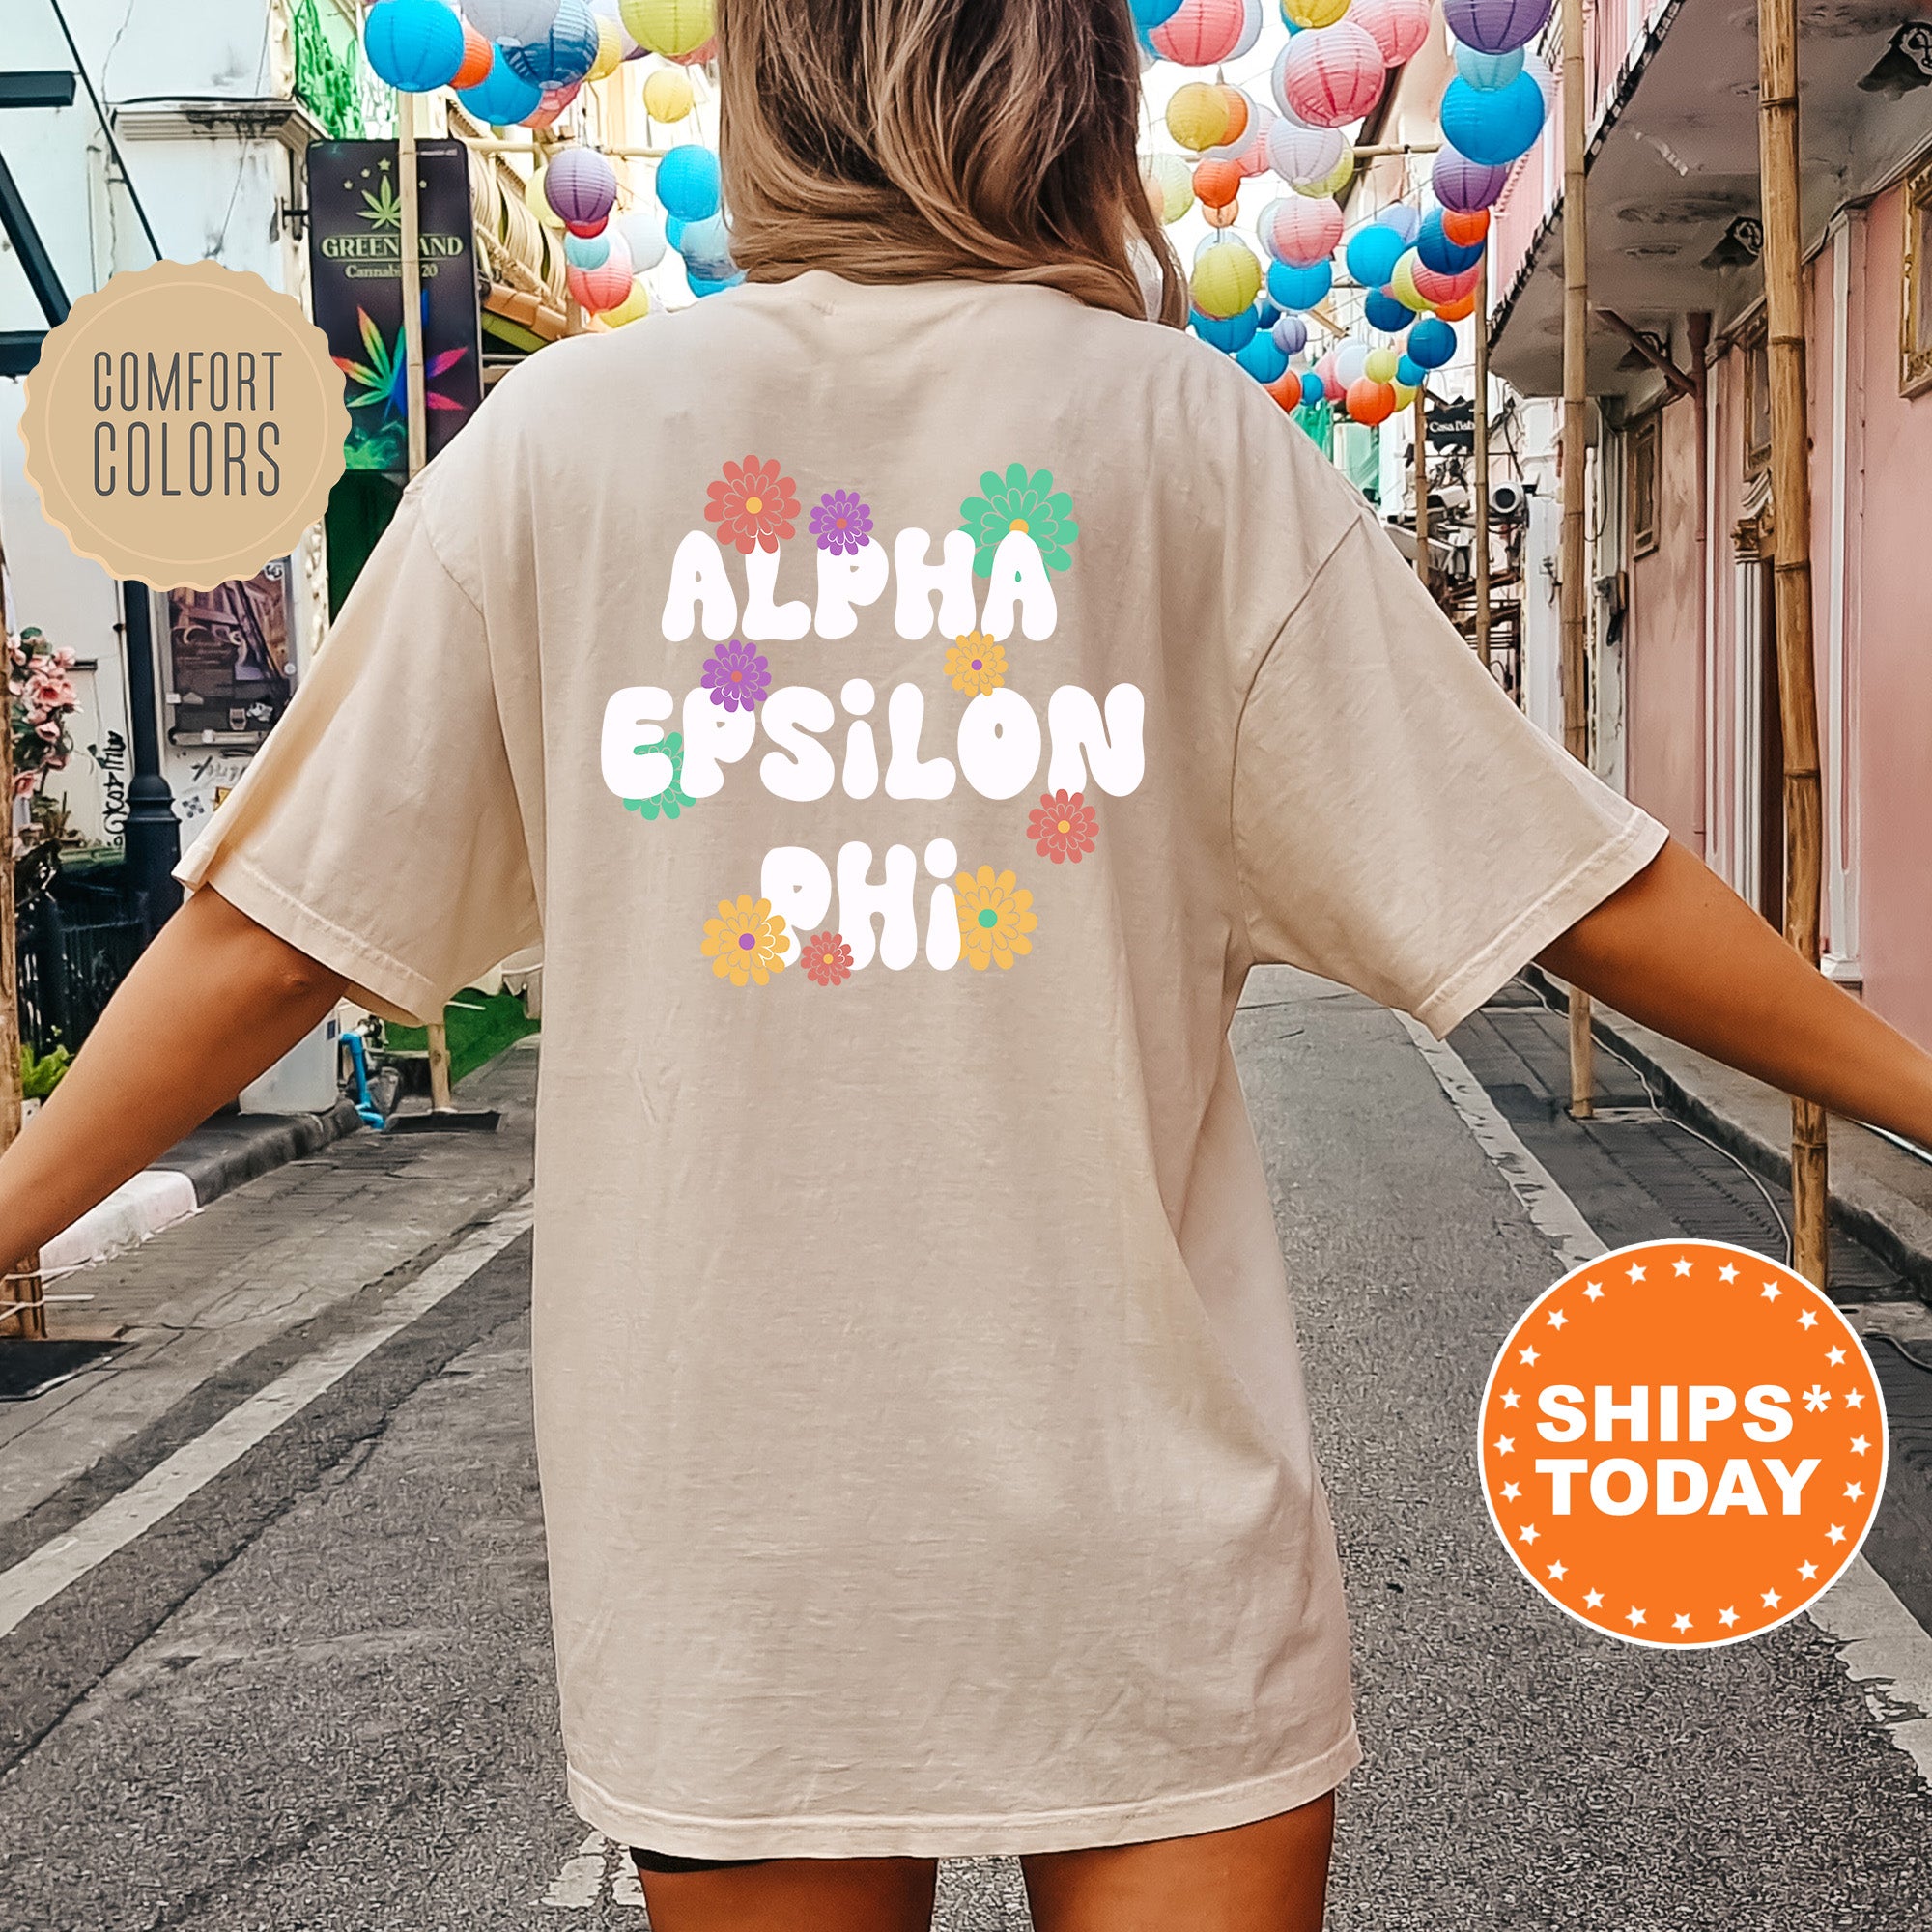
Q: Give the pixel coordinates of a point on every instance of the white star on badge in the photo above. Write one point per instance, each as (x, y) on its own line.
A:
(1592, 1599)
(1860, 1446)
(1528, 1533)
(1771, 1290)
(1728, 1272)
(1558, 1573)
(1635, 1617)
(1854, 1491)
(1836, 1356)
(1727, 1617)
(1634, 1272)
(1835, 1534)
(1855, 1398)
(1557, 1318)
(1527, 1356)
(1808, 1320)
(1808, 1570)
(1505, 1444)
(1772, 1600)
(1680, 1621)
(1680, 1267)
(1510, 1492)
(1594, 1293)
(1510, 1398)
(1816, 1398)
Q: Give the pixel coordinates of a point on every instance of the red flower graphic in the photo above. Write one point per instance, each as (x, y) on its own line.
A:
(826, 959)
(1063, 827)
(752, 507)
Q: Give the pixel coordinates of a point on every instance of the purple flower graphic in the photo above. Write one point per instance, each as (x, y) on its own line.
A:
(841, 522)
(736, 676)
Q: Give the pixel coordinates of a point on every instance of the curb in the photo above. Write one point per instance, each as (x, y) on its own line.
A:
(218, 1156)
(1896, 1229)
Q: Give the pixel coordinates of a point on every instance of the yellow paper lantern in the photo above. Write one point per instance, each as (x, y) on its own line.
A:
(632, 308)
(609, 49)
(1381, 365)
(1312, 13)
(672, 28)
(1329, 188)
(1401, 284)
(538, 203)
(1404, 394)
(1197, 116)
(1170, 189)
(1227, 279)
(667, 93)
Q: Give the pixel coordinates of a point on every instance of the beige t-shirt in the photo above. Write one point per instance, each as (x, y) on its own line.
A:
(905, 714)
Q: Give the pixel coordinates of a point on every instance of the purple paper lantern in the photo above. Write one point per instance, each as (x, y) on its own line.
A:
(1464, 184)
(1495, 26)
(580, 187)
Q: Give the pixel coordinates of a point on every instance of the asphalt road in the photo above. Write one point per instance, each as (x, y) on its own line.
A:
(317, 1695)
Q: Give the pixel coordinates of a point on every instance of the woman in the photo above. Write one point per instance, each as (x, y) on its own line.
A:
(906, 695)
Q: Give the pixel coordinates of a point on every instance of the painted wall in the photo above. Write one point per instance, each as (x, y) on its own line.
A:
(1663, 658)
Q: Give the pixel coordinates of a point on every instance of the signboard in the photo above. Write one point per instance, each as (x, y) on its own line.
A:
(356, 256)
(229, 665)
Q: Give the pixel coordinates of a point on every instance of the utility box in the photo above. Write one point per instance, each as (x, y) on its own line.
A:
(304, 1081)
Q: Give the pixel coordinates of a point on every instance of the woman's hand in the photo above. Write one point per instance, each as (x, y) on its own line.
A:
(1678, 951)
(212, 1003)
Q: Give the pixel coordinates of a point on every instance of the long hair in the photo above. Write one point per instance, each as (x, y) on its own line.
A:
(915, 140)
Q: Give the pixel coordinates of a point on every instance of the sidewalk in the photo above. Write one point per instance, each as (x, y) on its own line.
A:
(1881, 1194)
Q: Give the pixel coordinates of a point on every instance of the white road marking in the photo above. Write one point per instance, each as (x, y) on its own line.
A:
(41, 1578)
(600, 1861)
(1885, 1651)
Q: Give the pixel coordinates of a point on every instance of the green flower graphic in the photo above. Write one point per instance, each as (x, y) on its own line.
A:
(672, 800)
(1017, 501)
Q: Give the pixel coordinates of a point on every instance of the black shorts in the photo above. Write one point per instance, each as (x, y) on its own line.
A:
(667, 1861)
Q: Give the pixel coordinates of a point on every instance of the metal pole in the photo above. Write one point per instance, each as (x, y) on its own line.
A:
(1575, 609)
(1480, 465)
(1791, 578)
(151, 838)
(1422, 484)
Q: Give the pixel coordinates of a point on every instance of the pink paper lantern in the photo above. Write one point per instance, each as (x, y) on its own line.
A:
(1201, 33)
(1249, 153)
(1398, 27)
(1332, 76)
(1302, 230)
(608, 285)
(1440, 288)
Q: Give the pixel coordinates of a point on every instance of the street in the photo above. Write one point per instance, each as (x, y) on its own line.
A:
(280, 1656)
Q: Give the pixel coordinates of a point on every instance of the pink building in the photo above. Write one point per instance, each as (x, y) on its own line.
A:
(1685, 684)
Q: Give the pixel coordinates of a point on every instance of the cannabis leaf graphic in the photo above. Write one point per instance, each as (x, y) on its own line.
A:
(383, 380)
(384, 208)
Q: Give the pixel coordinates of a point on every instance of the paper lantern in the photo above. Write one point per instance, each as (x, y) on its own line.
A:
(1227, 278)
(1332, 76)
(1251, 29)
(1398, 27)
(1292, 289)
(1286, 389)
(1406, 220)
(674, 28)
(1432, 342)
(1197, 115)
(501, 98)
(538, 201)
(1401, 282)
(701, 288)
(587, 251)
(1300, 232)
(1381, 310)
(1467, 228)
(1331, 382)
(1290, 334)
(632, 308)
(702, 56)
(1331, 186)
(1298, 154)
(1200, 33)
(1222, 217)
(1372, 254)
(1408, 374)
(1262, 359)
(1170, 186)
(1484, 72)
(416, 45)
(1370, 402)
(1149, 13)
(585, 229)
(564, 54)
(510, 20)
(1250, 153)
(1301, 14)
(1351, 359)
(667, 93)
(1225, 332)
(689, 184)
(611, 44)
(1437, 252)
(1459, 311)
(1539, 70)
(1497, 126)
(1380, 364)
(1464, 184)
(1313, 388)
(599, 289)
(581, 185)
(1240, 114)
(1436, 289)
(1216, 183)
(477, 56)
(706, 248)
(613, 12)
(1495, 26)
(643, 233)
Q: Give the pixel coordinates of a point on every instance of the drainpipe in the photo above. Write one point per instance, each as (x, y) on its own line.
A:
(1697, 331)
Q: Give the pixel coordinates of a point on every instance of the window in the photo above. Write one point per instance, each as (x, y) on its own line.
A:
(1645, 443)
(1757, 402)
(1915, 337)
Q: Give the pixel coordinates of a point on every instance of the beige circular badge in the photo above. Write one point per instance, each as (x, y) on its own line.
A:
(184, 424)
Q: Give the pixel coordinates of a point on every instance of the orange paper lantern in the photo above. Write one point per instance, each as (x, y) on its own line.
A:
(1223, 217)
(1216, 183)
(477, 56)
(1465, 226)
(1459, 311)
(1370, 401)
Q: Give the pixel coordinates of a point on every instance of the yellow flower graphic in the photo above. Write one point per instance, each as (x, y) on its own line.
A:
(976, 664)
(746, 941)
(994, 919)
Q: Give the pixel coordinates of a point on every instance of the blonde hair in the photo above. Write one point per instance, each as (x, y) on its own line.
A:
(916, 140)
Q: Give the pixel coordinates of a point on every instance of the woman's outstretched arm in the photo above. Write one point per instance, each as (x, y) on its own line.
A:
(1678, 951)
(212, 1003)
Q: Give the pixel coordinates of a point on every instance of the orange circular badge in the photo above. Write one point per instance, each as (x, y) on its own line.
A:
(1683, 1443)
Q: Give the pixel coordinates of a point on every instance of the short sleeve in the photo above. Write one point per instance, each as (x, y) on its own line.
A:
(378, 829)
(1399, 825)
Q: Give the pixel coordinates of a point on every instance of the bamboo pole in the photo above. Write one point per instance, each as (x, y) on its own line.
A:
(1576, 400)
(1422, 484)
(1791, 578)
(21, 1292)
(1480, 461)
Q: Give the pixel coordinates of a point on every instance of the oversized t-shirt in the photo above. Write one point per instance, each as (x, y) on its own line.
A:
(905, 714)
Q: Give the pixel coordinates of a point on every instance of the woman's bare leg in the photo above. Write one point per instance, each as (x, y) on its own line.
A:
(1267, 1877)
(796, 1895)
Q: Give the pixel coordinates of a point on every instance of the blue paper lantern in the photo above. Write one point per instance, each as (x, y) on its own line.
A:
(416, 45)
(1153, 13)
(503, 97)
(1431, 343)
(1229, 334)
(706, 248)
(1262, 359)
(1372, 254)
(1487, 71)
(704, 285)
(1382, 311)
(1493, 125)
(1436, 251)
(563, 55)
(586, 251)
(689, 185)
(1292, 289)
(1411, 373)
(1266, 315)
(674, 233)
(1313, 387)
